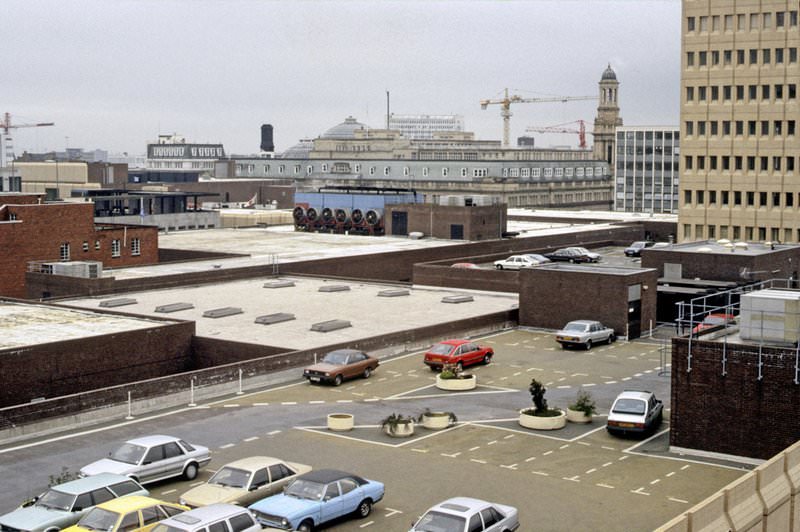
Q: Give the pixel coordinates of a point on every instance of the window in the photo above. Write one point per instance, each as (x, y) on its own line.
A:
(387, 170)
(726, 162)
(764, 163)
(739, 93)
(765, 92)
(154, 454)
(171, 450)
(309, 169)
(728, 22)
(220, 526)
(296, 169)
(702, 58)
(701, 128)
(778, 56)
(689, 94)
(688, 162)
(767, 18)
(751, 127)
(85, 246)
(701, 94)
(765, 127)
(151, 515)
(463, 172)
(740, 57)
(779, 19)
(136, 247)
(753, 56)
(687, 197)
(776, 199)
(689, 128)
(405, 171)
(101, 495)
(776, 163)
(779, 92)
(762, 199)
(701, 162)
(241, 522)
(445, 171)
(475, 524)
(714, 93)
(115, 249)
(687, 231)
(129, 522)
(281, 168)
(703, 23)
(347, 485)
(737, 162)
(712, 197)
(715, 23)
(790, 164)
(701, 197)
(751, 163)
(689, 59)
(726, 57)
(690, 24)
(725, 197)
(789, 199)
(793, 55)
(793, 19)
(751, 199)
(358, 168)
(371, 170)
(726, 127)
(425, 171)
(714, 127)
(752, 92)
(790, 125)
(737, 198)
(754, 25)
(63, 251)
(324, 167)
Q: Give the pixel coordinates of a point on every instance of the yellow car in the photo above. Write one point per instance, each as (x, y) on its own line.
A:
(126, 514)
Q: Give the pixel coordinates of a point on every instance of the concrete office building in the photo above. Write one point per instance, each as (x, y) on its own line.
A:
(424, 126)
(739, 111)
(646, 169)
(172, 152)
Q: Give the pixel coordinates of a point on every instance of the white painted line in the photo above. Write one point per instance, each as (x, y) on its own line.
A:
(640, 491)
(673, 499)
(509, 436)
(168, 492)
(503, 378)
(542, 473)
(517, 373)
(626, 378)
(371, 399)
(366, 524)
(621, 458)
(685, 467)
(251, 438)
(286, 403)
(316, 402)
(608, 448)
(670, 474)
(477, 461)
(588, 384)
(359, 394)
(607, 464)
(564, 446)
(590, 471)
(530, 459)
(648, 371)
(419, 450)
(537, 369)
(571, 479)
(548, 452)
(227, 446)
(260, 404)
(611, 382)
(637, 374)
(492, 442)
(562, 379)
(344, 401)
(559, 372)
(230, 406)
(392, 512)
(564, 387)
(454, 455)
(605, 486)
(579, 375)
(548, 383)
(584, 443)
(193, 484)
(656, 481)
(530, 369)
(475, 448)
(512, 466)
(274, 432)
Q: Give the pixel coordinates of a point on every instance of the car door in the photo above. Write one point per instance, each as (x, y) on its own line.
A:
(474, 353)
(129, 522)
(173, 459)
(332, 503)
(279, 476)
(152, 466)
(150, 516)
(351, 495)
(492, 520)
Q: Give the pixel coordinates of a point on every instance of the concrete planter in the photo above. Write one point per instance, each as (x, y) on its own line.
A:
(340, 422)
(401, 430)
(470, 382)
(542, 423)
(436, 420)
(576, 416)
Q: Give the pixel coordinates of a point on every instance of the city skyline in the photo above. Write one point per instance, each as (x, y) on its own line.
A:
(215, 71)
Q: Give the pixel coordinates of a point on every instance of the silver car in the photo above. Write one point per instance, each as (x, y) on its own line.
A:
(585, 333)
(216, 517)
(464, 514)
(152, 458)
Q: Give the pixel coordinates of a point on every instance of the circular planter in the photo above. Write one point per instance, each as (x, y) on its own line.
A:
(340, 422)
(577, 416)
(401, 430)
(457, 385)
(436, 420)
(542, 423)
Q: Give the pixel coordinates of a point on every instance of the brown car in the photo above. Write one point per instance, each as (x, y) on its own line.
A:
(340, 365)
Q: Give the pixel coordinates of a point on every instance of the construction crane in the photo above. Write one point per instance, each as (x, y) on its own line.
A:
(559, 128)
(507, 100)
(6, 142)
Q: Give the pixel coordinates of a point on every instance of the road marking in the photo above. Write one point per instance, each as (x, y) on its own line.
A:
(670, 474)
(517, 373)
(611, 382)
(530, 459)
(571, 479)
(605, 486)
(274, 432)
(512, 466)
(542, 473)
(562, 379)
(530, 369)
(637, 374)
(564, 387)
(260, 404)
(621, 458)
(548, 383)
(454, 455)
(537, 369)
(383, 379)
(607, 464)
(607, 448)
(477, 461)
(230, 406)
(648, 371)
(350, 388)
(344, 401)
(371, 399)
(289, 403)
(359, 394)
(588, 384)
(251, 438)
(685, 467)
(193, 484)
(168, 492)
(509, 436)
(548, 452)
(640, 491)
(227, 446)
(366, 524)
(673, 499)
(584, 443)
(564, 446)
(492, 442)
(656, 481)
(419, 450)
(392, 512)
(503, 378)
(475, 448)
(316, 402)
(590, 471)
(606, 377)
(626, 378)
(579, 375)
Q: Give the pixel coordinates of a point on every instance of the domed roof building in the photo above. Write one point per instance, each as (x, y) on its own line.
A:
(301, 150)
(345, 130)
(609, 74)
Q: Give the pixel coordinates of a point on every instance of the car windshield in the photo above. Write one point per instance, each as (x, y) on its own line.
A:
(434, 521)
(56, 500)
(629, 406)
(129, 453)
(99, 519)
(305, 489)
(441, 349)
(335, 358)
(231, 477)
(581, 250)
(537, 258)
(575, 327)
(637, 245)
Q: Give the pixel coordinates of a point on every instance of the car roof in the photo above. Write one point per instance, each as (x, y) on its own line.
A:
(323, 476)
(82, 485)
(635, 394)
(584, 322)
(344, 351)
(454, 342)
(129, 503)
(155, 439)
(254, 462)
(195, 517)
(461, 505)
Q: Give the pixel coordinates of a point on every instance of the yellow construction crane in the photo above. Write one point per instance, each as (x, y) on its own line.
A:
(6, 146)
(507, 100)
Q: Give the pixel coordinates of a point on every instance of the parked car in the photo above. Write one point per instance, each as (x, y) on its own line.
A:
(214, 517)
(244, 481)
(715, 319)
(515, 262)
(318, 497)
(593, 257)
(464, 514)
(541, 259)
(635, 249)
(465, 266)
(568, 255)
(635, 412)
(462, 353)
(341, 364)
(152, 458)
(63, 505)
(585, 333)
(135, 512)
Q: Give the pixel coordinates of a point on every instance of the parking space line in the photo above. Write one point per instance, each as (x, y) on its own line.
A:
(548, 452)
(344, 401)
(621, 458)
(316, 402)
(475, 448)
(230, 406)
(454, 455)
(251, 438)
(611, 382)
(530, 459)
(419, 450)
(541, 473)
(167, 492)
(260, 404)
(571, 479)
(565, 387)
(371, 399)
(492, 442)
(626, 378)
(587, 444)
(477, 461)
(605, 486)
(607, 464)
(512, 466)
(368, 523)
(656, 481)
(391, 511)
(564, 446)
(274, 432)
(685, 467)
(588, 384)
(607, 448)
(673, 499)
(509, 436)
(640, 491)
(670, 474)
(193, 484)
(227, 446)
(590, 471)
(289, 403)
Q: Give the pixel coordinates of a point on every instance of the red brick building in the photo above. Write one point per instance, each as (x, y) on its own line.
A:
(31, 230)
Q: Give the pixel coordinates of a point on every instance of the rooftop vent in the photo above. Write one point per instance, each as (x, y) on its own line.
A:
(279, 284)
(334, 288)
(174, 307)
(269, 319)
(457, 299)
(397, 292)
(222, 312)
(121, 302)
(330, 325)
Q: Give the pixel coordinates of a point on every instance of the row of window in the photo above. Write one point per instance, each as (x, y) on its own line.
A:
(116, 248)
(742, 22)
(725, 93)
(749, 163)
(739, 232)
(749, 56)
(739, 128)
(181, 164)
(588, 171)
(738, 198)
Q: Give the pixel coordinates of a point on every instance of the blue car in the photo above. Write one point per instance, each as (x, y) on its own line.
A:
(318, 497)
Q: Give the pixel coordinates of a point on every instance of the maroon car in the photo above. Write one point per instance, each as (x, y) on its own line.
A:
(459, 352)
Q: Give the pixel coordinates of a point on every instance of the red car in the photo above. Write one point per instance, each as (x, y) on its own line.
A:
(460, 352)
(714, 320)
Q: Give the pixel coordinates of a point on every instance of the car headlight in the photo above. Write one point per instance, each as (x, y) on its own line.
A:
(285, 523)
(327, 374)
(182, 502)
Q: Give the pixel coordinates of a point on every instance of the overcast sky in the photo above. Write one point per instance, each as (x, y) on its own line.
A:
(113, 74)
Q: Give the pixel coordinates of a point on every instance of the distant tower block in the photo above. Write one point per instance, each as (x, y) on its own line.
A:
(608, 117)
(266, 138)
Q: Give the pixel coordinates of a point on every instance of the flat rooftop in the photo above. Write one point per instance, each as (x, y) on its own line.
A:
(587, 215)
(599, 269)
(369, 313)
(23, 324)
(738, 248)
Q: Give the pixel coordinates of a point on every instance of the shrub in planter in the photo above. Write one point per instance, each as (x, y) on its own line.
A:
(398, 425)
(453, 371)
(540, 408)
(436, 420)
(582, 409)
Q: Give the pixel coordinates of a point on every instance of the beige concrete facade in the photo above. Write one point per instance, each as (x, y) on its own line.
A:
(739, 112)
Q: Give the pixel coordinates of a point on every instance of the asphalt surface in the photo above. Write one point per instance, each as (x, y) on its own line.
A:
(577, 478)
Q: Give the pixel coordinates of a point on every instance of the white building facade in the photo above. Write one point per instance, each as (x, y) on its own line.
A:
(421, 127)
(646, 169)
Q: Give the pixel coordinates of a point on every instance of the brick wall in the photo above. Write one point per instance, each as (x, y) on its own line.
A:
(478, 222)
(780, 263)
(735, 413)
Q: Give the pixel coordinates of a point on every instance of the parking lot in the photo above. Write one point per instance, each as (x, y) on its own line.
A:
(577, 478)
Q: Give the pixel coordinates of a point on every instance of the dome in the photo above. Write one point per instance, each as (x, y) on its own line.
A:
(609, 74)
(345, 130)
(299, 150)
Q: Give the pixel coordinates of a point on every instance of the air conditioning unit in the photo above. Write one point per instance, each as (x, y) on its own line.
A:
(84, 269)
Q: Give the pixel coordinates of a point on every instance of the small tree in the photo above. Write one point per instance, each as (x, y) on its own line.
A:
(584, 403)
(537, 391)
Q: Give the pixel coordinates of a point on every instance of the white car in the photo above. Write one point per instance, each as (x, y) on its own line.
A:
(635, 412)
(464, 514)
(585, 333)
(515, 262)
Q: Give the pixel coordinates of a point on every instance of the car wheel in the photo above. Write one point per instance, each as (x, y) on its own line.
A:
(588, 344)
(499, 266)
(460, 366)
(306, 526)
(433, 368)
(367, 373)
(364, 508)
(190, 473)
(610, 338)
(338, 380)
(487, 358)
(572, 261)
